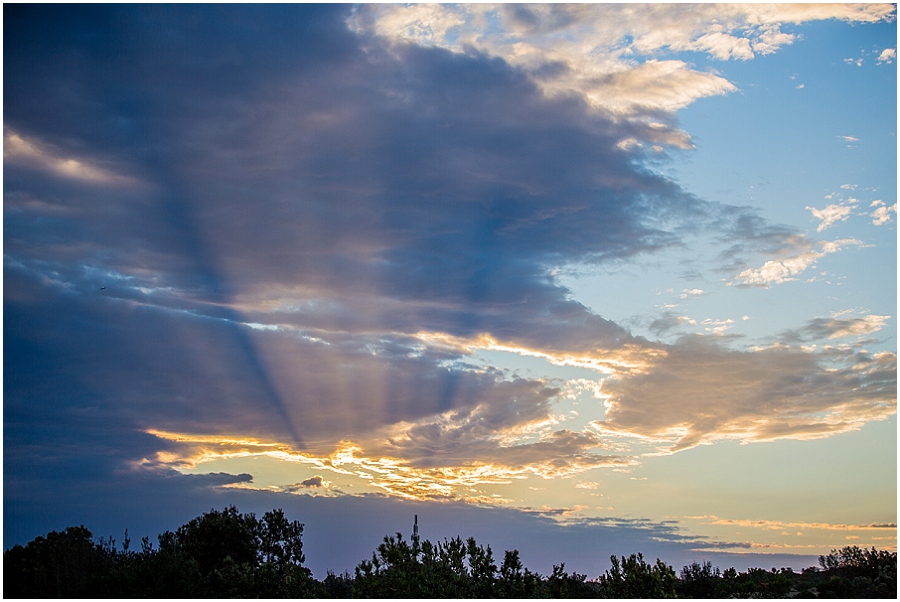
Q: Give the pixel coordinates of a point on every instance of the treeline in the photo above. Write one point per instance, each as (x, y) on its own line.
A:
(226, 554)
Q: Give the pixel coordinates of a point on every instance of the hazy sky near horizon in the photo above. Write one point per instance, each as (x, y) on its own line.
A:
(594, 272)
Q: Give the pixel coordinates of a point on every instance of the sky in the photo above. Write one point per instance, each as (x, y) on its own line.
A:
(576, 280)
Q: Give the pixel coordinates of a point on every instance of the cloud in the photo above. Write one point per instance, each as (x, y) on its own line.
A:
(717, 326)
(563, 49)
(838, 327)
(33, 154)
(733, 31)
(653, 86)
(316, 482)
(747, 234)
(882, 213)
(785, 269)
(296, 318)
(887, 56)
(400, 477)
(590, 50)
(554, 453)
(724, 46)
(334, 385)
(365, 248)
(781, 525)
(699, 392)
(694, 292)
(779, 271)
(668, 322)
(831, 214)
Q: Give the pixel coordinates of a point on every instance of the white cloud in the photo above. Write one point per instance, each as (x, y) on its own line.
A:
(778, 271)
(694, 292)
(838, 326)
(856, 327)
(831, 214)
(724, 46)
(882, 213)
(594, 50)
(717, 326)
(653, 85)
(887, 55)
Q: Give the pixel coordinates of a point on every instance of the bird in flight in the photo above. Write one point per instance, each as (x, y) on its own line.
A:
(102, 288)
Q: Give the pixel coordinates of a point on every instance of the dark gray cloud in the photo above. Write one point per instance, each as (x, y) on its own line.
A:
(443, 180)
(180, 173)
(140, 366)
(315, 481)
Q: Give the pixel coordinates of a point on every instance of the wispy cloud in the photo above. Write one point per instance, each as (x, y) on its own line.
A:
(838, 326)
(30, 153)
(771, 393)
(831, 214)
(780, 525)
(786, 269)
(669, 321)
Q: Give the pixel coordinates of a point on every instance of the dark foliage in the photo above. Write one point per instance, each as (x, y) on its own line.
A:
(226, 554)
(698, 581)
(854, 572)
(634, 578)
(217, 555)
(60, 565)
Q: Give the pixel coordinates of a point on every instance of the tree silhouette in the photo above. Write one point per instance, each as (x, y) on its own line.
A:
(698, 581)
(226, 554)
(634, 578)
(60, 565)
